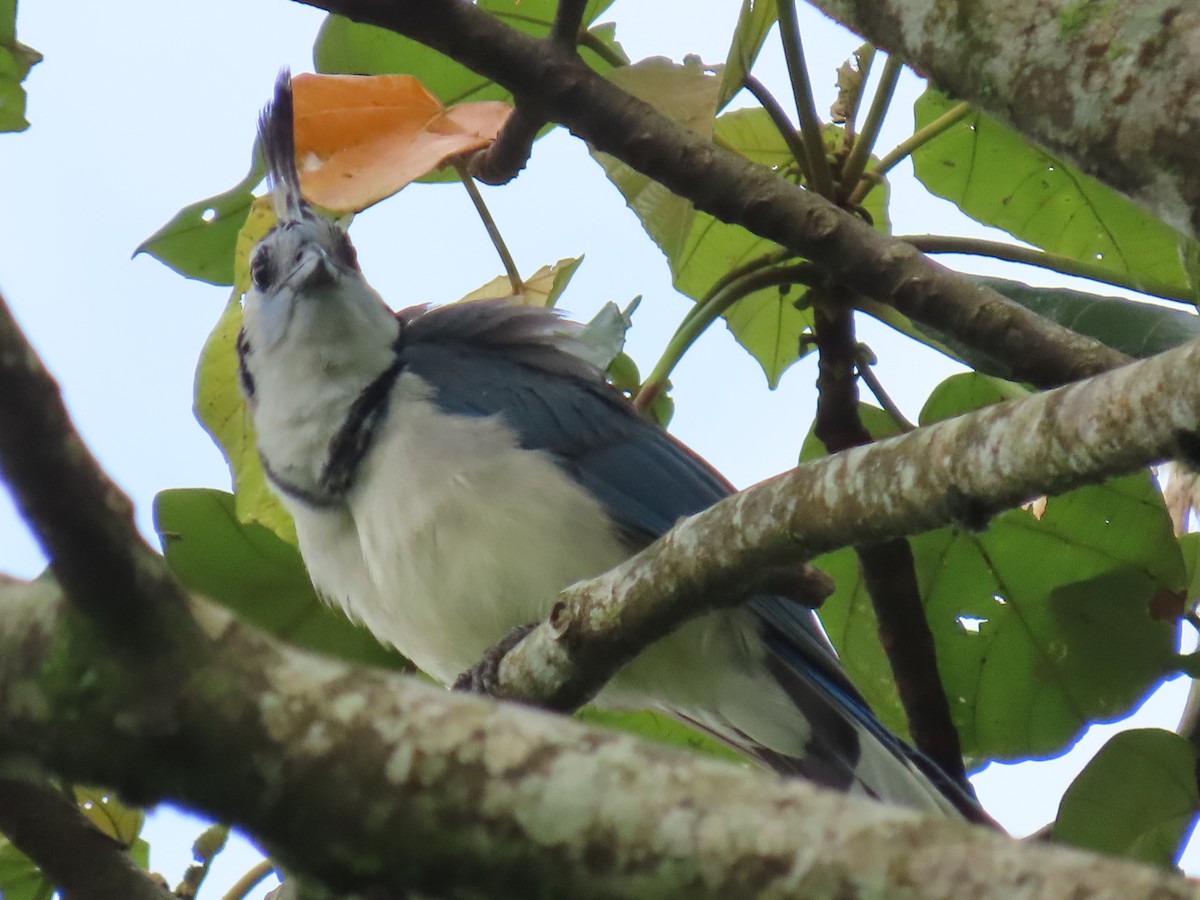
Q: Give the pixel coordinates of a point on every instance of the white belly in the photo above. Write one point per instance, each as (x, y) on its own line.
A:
(458, 536)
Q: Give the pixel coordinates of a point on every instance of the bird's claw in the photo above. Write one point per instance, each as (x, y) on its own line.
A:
(484, 676)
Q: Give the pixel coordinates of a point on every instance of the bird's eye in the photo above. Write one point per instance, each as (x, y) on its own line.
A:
(260, 269)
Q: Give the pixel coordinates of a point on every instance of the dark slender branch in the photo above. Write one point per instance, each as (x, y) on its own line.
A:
(82, 861)
(888, 568)
(780, 120)
(82, 520)
(568, 19)
(504, 159)
(863, 363)
(738, 191)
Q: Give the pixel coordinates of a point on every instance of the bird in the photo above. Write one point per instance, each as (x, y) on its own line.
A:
(450, 469)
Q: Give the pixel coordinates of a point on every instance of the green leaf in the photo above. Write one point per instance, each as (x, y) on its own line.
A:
(658, 728)
(16, 60)
(1025, 615)
(20, 879)
(120, 822)
(1138, 329)
(700, 249)
(222, 412)
(255, 574)
(753, 25)
(996, 177)
(1137, 798)
(199, 240)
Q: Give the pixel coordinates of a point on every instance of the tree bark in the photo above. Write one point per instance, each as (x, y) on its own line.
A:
(370, 781)
(558, 86)
(1110, 86)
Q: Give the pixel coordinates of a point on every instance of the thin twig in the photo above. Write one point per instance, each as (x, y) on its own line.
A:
(863, 362)
(510, 267)
(780, 120)
(806, 109)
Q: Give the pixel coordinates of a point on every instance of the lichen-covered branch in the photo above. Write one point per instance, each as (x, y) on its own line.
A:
(1110, 86)
(959, 471)
(370, 781)
(82, 520)
(565, 90)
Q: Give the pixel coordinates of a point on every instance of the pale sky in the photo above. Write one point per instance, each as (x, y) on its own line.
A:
(142, 107)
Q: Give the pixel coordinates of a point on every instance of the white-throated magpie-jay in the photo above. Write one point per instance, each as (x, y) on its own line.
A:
(451, 469)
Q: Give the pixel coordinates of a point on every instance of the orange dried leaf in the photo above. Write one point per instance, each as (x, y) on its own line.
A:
(361, 138)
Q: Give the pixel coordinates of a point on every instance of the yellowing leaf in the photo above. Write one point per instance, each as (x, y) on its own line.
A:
(362, 138)
(543, 288)
(222, 412)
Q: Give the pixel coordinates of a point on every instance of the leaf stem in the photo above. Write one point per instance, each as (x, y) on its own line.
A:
(940, 243)
(704, 313)
(780, 119)
(890, 159)
(810, 123)
(601, 49)
(864, 359)
(250, 880)
(860, 153)
(510, 267)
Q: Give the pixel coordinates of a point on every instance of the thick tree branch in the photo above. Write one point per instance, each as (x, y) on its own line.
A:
(376, 782)
(1111, 86)
(954, 472)
(82, 520)
(81, 861)
(888, 568)
(557, 85)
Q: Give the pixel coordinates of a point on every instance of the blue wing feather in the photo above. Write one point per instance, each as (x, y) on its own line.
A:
(494, 359)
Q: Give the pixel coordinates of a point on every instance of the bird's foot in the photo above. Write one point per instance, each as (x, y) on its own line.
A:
(484, 676)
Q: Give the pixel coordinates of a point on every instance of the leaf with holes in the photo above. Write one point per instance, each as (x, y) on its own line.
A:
(1025, 650)
(199, 240)
(996, 177)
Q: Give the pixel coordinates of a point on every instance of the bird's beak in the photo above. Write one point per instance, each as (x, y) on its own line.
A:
(314, 270)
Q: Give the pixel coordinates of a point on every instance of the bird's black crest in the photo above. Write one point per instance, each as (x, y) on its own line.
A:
(278, 141)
